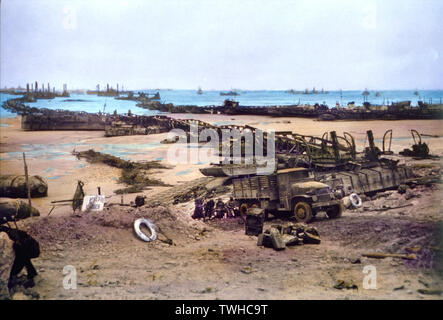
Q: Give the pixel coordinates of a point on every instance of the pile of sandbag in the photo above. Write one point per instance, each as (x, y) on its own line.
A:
(16, 210)
(14, 186)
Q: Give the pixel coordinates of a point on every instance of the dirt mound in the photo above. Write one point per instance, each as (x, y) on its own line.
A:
(6, 260)
(388, 235)
(92, 225)
(231, 224)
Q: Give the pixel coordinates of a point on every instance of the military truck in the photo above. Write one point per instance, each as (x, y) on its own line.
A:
(291, 190)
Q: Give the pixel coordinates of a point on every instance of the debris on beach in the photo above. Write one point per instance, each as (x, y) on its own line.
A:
(133, 173)
(343, 284)
(93, 203)
(280, 236)
(76, 201)
(14, 186)
(254, 221)
(79, 195)
(16, 210)
(119, 125)
(150, 225)
(98, 157)
(419, 149)
(379, 255)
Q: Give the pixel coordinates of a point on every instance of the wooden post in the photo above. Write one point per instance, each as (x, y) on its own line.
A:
(372, 144)
(28, 187)
(335, 146)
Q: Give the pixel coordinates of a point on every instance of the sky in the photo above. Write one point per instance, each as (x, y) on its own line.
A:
(223, 44)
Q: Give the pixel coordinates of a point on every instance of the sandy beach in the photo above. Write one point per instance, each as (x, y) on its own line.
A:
(49, 152)
(206, 257)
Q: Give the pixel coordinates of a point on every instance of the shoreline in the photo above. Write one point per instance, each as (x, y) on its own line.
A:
(395, 111)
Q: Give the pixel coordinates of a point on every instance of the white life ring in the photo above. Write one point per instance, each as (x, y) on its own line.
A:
(355, 200)
(151, 227)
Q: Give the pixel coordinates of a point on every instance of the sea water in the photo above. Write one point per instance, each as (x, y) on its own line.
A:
(93, 103)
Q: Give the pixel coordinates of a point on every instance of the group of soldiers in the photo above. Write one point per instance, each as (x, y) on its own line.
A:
(214, 210)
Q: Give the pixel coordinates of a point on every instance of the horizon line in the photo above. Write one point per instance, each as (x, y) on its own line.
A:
(240, 89)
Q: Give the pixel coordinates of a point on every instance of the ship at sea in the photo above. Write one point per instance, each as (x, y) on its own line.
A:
(314, 91)
(199, 91)
(34, 92)
(229, 93)
(142, 97)
(109, 92)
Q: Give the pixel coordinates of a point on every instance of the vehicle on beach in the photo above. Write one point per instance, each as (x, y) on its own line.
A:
(292, 191)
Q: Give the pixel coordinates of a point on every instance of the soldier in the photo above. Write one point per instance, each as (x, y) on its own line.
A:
(220, 209)
(230, 208)
(140, 201)
(198, 210)
(25, 248)
(209, 209)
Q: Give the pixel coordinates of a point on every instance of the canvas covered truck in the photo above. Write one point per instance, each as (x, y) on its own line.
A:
(367, 180)
(292, 191)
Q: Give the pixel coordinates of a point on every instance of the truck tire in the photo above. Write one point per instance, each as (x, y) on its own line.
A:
(335, 212)
(151, 227)
(302, 212)
(355, 200)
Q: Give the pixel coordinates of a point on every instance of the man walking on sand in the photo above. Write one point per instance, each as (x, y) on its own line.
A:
(25, 248)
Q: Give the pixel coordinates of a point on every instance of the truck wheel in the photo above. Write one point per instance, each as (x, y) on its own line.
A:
(335, 212)
(302, 212)
(355, 200)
